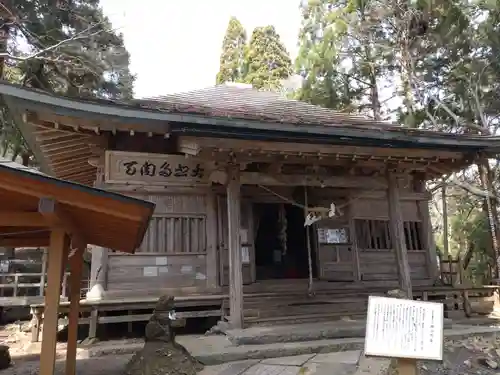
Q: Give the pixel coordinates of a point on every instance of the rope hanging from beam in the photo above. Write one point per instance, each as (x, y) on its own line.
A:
(310, 287)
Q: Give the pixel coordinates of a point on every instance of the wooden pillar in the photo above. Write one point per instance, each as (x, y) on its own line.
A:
(212, 250)
(76, 269)
(234, 242)
(428, 233)
(58, 245)
(43, 272)
(98, 271)
(354, 240)
(396, 228)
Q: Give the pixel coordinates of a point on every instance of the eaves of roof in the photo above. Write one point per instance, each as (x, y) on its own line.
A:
(196, 124)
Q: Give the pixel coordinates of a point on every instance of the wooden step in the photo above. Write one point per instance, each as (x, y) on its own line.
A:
(298, 319)
(308, 311)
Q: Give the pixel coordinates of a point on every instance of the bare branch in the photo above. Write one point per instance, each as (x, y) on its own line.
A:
(38, 55)
(4, 7)
(473, 189)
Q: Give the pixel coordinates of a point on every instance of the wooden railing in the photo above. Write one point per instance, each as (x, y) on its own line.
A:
(452, 270)
(17, 287)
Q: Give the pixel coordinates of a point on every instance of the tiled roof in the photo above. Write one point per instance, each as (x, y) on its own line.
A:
(233, 101)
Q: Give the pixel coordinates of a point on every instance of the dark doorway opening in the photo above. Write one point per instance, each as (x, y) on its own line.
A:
(272, 260)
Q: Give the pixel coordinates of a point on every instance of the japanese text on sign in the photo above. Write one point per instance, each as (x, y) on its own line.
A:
(147, 168)
(151, 168)
(399, 328)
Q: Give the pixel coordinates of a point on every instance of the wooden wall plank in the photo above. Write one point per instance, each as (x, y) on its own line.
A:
(141, 271)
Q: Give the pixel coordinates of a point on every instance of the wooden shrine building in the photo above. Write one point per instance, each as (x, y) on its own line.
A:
(38, 210)
(233, 173)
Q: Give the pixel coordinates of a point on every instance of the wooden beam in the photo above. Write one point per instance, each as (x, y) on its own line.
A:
(221, 156)
(76, 197)
(58, 217)
(76, 269)
(22, 219)
(256, 178)
(397, 234)
(234, 242)
(195, 143)
(108, 125)
(58, 245)
(25, 242)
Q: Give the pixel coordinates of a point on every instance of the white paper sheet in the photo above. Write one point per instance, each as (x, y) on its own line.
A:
(398, 328)
(150, 271)
(161, 261)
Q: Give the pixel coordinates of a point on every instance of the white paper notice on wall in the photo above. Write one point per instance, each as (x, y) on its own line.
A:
(399, 328)
(245, 255)
(186, 269)
(200, 276)
(150, 271)
(161, 261)
(163, 269)
(243, 235)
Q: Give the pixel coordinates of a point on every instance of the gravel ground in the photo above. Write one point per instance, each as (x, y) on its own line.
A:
(474, 355)
(107, 365)
(25, 356)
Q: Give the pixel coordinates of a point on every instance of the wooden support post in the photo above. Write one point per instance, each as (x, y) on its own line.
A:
(16, 286)
(76, 270)
(428, 233)
(36, 324)
(396, 228)
(93, 323)
(212, 250)
(353, 237)
(407, 366)
(130, 327)
(98, 270)
(58, 244)
(44, 272)
(234, 241)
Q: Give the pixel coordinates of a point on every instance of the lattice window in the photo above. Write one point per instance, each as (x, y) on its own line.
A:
(413, 235)
(169, 234)
(375, 235)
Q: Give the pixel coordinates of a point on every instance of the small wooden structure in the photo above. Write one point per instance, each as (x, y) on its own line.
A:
(38, 210)
(233, 173)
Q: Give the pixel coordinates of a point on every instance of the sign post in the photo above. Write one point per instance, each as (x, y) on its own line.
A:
(404, 329)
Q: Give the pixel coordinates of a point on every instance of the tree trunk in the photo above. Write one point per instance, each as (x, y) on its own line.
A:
(490, 207)
(446, 247)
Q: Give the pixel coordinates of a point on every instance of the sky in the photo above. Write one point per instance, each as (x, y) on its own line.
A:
(175, 46)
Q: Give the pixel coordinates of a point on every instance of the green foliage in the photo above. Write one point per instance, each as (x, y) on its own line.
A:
(90, 60)
(342, 54)
(68, 47)
(267, 62)
(263, 62)
(469, 231)
(425, 64)
(233, 53)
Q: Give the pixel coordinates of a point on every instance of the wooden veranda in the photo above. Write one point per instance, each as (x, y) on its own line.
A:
(38, 210)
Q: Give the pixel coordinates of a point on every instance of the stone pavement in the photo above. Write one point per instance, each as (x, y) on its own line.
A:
(341, 363)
